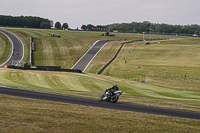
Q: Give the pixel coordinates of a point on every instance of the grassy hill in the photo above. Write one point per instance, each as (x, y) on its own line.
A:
(163, 65)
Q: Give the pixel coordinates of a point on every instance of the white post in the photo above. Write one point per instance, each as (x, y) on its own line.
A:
(143, 36)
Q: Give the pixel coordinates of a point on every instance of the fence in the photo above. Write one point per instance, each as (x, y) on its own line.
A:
(101, 70)
(46, 68)
(32, 48)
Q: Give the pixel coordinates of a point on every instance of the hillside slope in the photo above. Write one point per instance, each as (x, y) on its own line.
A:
(163, 65)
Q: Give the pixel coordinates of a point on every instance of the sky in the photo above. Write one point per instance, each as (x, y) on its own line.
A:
(104, 12)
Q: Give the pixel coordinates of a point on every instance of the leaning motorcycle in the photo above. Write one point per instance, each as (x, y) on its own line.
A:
(112, 98)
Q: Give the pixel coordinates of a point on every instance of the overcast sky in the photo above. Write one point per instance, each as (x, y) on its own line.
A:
(103, 12)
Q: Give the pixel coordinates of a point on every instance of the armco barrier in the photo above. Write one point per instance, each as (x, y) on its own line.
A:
(32, 49)
(46, 68)
(31, 52)
(101, 70)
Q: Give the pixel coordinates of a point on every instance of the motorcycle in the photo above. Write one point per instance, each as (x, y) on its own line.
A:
(112, 98)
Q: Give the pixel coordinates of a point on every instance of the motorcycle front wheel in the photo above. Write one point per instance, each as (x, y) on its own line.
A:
(101, 98)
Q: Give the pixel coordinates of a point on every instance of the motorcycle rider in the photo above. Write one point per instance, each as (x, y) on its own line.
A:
(110, 91)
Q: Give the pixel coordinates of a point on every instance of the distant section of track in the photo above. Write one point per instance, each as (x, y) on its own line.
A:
(85, 60)
(96, 103)
(17, 49)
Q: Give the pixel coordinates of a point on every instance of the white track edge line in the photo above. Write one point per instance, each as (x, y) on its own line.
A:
(94, 56)
(12, 49)
(85, 54)
(13, 46)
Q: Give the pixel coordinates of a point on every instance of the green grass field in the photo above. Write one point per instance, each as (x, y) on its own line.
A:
(163, 65)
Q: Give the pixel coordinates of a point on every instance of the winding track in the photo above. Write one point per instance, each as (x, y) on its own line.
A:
(17, 49)
(85, 60)
(18, 46)
(96, 103)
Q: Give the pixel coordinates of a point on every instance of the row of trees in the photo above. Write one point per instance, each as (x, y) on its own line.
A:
(147, 27)
(64, 26)
(94, 28)
(25, 21)
(30, 22)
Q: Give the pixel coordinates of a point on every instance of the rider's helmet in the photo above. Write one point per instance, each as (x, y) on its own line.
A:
(115, 85)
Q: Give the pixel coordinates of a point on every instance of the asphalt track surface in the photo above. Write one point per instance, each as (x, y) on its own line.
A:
(96, 103)
(85, 60)
(17, 49)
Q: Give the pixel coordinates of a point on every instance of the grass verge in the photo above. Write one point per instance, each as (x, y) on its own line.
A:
(28, 115)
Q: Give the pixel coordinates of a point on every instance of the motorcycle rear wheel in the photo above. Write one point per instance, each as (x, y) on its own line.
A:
(114, 99)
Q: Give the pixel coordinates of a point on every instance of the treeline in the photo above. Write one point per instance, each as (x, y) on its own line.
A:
(91, 27)
(25, 21)
(149, 27)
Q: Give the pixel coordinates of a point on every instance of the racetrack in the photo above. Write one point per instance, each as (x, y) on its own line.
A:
(85, 60)
(18, 55)
(18, 49)
(96, 103)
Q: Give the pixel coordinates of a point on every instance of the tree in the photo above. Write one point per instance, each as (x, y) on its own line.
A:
(184, 29)
(44, 25)
(65, 26)
(51, 23)
(83, 27)
(197, 33)
(57, 25)
(89, 26)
